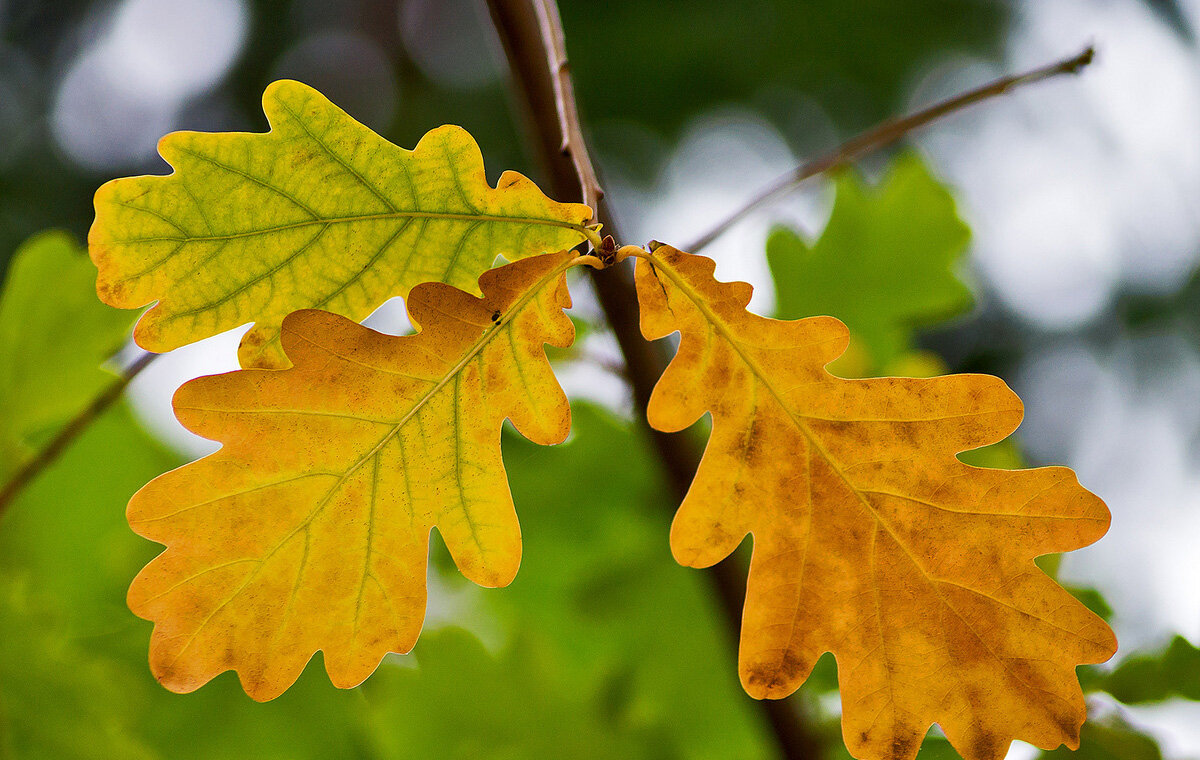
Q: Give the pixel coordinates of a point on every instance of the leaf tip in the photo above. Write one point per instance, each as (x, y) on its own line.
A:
(171, 147)
(262, 689)
(148, 332)
(283, 90)
(772, 681)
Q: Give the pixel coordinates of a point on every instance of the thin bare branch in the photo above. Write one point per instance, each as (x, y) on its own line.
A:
(70, 432)
(573, 144)
(887, 133)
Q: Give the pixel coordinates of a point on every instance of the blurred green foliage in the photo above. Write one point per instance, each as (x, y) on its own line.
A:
(1155, 676)
(686, 56)
(598, 580)
(58, 700)
(54, 334)
(1109, 738)
(887, 262)
(515, 704)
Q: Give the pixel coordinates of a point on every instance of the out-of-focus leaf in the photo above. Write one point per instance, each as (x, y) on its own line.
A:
(314, 720)
(1093, 600)
(54, 335)
(1173, 672)
(1109, 739)
(598, 584)
(461, 703)
(885, 263)
(320, 212)
(67, 530)
(56, 700)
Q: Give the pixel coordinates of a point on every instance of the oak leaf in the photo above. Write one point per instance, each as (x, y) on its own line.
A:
(871, 540)
(320, 212)
(309, 529)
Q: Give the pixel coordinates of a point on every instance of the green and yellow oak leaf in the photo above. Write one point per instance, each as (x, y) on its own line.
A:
(871, 540)
(309, 529)
(320, 212)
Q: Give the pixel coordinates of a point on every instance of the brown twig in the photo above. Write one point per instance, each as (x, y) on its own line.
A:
(887, 133)
(519, 27)
(573, 145)
(70, 432)
(554, 123)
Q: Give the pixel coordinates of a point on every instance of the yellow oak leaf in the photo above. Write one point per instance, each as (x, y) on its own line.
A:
(309, 529)
(871, 539)
(320, 212)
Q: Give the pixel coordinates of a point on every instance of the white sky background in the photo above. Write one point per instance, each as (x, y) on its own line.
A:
(1074, 189)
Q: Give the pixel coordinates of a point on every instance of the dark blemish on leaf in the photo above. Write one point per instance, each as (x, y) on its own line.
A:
(1068, 726)
(774, 678)
(790, 668)
(164, 673)
(983, 745)
(496, 315)
(751, 446)
(301, 157)
(846, 433)
(903, 746)
(761, 677)
(719, 374)
(110, 292)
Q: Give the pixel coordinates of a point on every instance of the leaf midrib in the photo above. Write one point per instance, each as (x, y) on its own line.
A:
(350, 219)
(488, 334)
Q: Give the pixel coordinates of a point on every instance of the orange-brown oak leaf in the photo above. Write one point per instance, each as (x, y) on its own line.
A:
(309, 529)
(871, 539)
